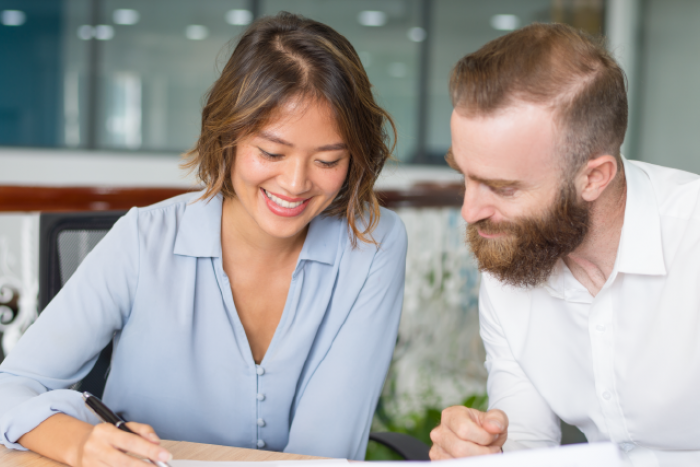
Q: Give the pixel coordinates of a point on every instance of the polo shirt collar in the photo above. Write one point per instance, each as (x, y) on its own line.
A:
(640, 250)
(199, 233)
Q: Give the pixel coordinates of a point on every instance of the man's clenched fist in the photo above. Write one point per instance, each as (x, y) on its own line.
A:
(465, 432)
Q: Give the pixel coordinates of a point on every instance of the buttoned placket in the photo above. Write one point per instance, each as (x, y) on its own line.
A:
(260, 399)
(260, 396)
(260, 371)
(602, 337)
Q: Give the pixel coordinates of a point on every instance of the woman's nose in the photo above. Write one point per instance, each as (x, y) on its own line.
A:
(295, 177)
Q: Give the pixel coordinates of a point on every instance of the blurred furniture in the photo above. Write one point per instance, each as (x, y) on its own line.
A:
(65, 239)
(57, 199)
(52, 199)
(179, 450)
(406, 446)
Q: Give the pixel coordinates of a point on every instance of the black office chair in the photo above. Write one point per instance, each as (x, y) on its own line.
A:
(67, 238)
(408, 447)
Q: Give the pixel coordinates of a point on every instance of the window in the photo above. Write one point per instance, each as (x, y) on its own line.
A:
(130, 75)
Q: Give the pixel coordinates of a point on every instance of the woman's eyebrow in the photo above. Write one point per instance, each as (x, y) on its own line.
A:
(332, 147)
(276, 139)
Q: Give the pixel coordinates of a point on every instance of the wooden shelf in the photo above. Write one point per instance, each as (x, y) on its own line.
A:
(56, 199)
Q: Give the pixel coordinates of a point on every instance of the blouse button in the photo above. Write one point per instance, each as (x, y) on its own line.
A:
(260, 370)
(606, 395)
(261, 443)
(600, 328)
(260, 396)
(261, 422)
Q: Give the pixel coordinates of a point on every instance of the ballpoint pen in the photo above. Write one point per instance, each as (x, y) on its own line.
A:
(107, 416)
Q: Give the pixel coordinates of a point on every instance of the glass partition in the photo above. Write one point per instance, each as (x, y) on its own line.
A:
(131, 75)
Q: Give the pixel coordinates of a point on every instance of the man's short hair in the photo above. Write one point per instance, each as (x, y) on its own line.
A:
(557, 66)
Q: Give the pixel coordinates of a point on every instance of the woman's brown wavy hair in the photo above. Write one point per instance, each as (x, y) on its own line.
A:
(288, 56)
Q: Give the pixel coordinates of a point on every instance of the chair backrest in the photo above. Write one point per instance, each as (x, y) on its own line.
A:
(65, 239)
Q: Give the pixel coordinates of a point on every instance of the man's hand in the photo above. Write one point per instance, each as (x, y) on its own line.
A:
(465, 432)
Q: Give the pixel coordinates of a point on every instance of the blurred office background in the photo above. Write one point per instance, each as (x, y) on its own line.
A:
(131, 76)
(109, 92)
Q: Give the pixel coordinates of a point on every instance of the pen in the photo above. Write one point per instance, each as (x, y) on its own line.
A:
(107, 416)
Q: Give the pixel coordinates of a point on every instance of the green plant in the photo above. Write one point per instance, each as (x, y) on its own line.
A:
(418, 424)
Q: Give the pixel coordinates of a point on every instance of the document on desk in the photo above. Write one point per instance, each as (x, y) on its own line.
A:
(306, 463)
(577, 455)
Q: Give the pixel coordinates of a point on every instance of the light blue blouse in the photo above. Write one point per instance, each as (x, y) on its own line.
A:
(156, 286)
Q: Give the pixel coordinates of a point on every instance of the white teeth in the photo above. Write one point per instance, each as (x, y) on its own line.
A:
(282, 203)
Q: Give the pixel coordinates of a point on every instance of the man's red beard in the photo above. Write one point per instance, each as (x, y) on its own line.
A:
(526, 253)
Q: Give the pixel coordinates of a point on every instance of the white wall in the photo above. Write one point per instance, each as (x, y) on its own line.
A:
(66, 167)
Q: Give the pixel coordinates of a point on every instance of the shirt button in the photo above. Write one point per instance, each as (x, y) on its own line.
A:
(261, 443)
(260, 370)
(260, 396)
(600, 328)
(261, 422)
(606, 396)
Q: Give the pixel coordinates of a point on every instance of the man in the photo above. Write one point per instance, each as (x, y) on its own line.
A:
(590, 297)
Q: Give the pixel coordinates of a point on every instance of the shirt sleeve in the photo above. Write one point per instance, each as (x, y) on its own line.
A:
(335, 412)
(532, 423)
(62, 346)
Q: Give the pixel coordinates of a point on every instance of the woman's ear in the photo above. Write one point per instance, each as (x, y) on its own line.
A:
(597, 175)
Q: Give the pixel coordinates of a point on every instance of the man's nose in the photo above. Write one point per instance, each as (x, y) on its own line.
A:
(476, 206)
(295, 177)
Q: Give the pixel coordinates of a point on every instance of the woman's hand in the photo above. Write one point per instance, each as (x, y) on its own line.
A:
(109, 446)
(79, 444)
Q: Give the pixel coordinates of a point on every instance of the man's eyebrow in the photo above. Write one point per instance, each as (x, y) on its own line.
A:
(496, 182)
(276, 139)
(450, 159)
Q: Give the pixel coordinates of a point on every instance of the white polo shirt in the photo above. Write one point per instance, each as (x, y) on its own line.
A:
(624, 365)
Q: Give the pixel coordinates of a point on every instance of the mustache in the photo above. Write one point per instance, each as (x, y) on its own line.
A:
(492, 228)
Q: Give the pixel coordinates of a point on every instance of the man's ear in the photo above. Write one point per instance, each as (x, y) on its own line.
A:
(596, 176)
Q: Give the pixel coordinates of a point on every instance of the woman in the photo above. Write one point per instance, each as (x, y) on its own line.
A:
(260, 313)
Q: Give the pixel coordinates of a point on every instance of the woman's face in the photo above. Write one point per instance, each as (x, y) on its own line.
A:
(292, 169)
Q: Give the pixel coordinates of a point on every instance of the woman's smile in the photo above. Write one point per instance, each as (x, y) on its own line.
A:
(284, 205)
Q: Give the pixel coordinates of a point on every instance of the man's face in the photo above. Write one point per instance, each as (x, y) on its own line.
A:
(523, 214)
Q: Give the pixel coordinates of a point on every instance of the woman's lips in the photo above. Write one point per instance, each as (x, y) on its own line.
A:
(299, 204)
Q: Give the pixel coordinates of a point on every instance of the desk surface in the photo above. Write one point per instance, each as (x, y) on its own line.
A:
(179, 450)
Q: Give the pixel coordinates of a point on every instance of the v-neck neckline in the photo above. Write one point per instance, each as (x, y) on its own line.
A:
(225, 285)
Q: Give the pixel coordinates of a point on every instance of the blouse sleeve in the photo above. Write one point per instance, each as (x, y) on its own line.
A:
(61, 347)
(334, 415)
(532, 423)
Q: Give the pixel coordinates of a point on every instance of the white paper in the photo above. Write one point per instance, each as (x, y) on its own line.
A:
(310, 463)
(576, 455)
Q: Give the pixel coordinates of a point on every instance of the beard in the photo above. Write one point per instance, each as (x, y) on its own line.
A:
(530, 247)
